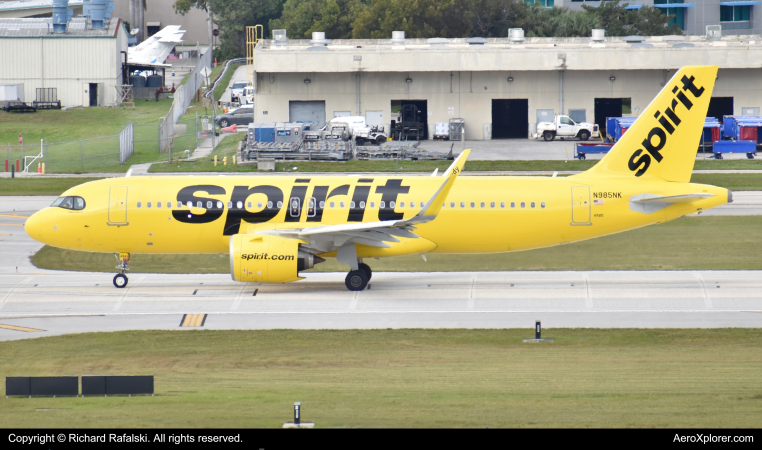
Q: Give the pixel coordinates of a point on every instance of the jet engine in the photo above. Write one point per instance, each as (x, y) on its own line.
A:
(264, 258)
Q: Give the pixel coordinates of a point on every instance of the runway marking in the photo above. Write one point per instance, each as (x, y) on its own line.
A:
(588, 298)
(13, 224)
(8, 215)
(471, 299)
(15, 328)
(193, 320)
(707, 297)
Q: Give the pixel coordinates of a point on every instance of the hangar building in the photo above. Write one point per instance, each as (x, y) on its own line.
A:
(83, 63)
(501, 86)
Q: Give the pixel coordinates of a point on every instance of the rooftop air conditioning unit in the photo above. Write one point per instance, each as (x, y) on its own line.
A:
(714, 32)
(598, 35)
(318, 38)
(516, 35)
(279, 36)
(398, 37)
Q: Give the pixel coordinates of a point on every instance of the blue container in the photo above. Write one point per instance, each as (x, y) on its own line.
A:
(262, 132)
(617, 126)
(734, 147)
(733, 125)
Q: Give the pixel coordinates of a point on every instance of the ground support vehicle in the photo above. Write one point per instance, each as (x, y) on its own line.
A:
(581, 149)
(728, 146)
(564, 127)
(410, 126)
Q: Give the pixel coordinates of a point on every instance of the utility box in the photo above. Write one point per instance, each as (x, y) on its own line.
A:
(456, 128)
(289, 132)
(262, 132)
(266, 164)
(487, 131)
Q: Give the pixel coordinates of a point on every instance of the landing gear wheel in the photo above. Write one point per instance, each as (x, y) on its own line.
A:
(356, 280)
(584, 135)
(224, 123)
(120, 280)
(548, 135)
(365, 268)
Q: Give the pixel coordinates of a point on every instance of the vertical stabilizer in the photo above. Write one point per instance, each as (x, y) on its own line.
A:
(664, 140)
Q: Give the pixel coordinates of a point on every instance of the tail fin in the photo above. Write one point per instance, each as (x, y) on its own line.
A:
(663, 141)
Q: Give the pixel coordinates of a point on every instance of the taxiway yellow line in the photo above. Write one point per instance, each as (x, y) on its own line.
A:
(15, 328)
(20, 217)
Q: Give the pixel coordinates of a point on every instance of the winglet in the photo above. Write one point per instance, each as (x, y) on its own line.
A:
(434, 205)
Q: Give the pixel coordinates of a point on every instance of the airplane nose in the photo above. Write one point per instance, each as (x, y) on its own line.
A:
(34, 226)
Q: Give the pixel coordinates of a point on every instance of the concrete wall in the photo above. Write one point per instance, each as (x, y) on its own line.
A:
(66, 63)
(470, 94)
(194, 23)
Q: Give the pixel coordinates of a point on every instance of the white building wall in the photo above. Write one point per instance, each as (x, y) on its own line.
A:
(471, 93)
(66, 63)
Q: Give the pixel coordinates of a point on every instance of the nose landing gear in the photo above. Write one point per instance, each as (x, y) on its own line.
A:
(120, 279)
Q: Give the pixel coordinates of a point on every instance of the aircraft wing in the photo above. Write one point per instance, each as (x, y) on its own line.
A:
(154, 50)
(379, 234)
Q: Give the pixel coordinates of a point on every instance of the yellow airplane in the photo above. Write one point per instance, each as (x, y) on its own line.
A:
(275, 227)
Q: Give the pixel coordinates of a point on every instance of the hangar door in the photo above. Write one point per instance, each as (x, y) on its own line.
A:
(510, 118)
(311, 111)
(720, 106)
(610, 107)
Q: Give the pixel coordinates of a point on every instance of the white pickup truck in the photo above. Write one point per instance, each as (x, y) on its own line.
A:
(565, 127)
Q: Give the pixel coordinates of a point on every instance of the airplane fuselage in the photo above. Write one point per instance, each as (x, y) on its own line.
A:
(482, 214)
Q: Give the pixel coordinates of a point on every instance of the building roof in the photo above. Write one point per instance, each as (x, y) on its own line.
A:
(31, 4)
(437, 54)
(43, 27)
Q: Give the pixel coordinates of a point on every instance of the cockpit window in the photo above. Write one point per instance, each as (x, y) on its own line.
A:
(74, 203)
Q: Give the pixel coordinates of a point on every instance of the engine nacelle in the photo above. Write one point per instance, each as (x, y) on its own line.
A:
(264, 258)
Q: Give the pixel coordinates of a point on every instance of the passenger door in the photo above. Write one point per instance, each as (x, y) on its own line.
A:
(117, 206)
(580, 205)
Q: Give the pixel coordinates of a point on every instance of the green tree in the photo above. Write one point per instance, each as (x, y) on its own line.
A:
(334, 17)
(232, 17)
(650, 21)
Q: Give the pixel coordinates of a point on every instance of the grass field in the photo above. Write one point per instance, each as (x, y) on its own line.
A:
(63, 130)
(401, 378)
(693, 243)
(228, 147)
(39, 186)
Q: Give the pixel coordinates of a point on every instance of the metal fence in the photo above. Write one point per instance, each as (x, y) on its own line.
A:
(126, 143)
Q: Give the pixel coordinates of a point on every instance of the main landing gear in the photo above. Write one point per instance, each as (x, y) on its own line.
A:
(357, 280)
(120, 279)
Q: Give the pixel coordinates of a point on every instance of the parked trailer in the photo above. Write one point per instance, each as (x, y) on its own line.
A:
(741, 134)
(581, 149)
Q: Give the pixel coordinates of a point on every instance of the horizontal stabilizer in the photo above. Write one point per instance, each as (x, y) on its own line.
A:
(687, 198)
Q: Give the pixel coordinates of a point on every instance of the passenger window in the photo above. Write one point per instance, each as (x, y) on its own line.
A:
(190, 204)
(322, 205)
(462, 204)
(491, 204)
(362, 205)
(482, 204)
(502, 204)
(452, 204)
(372, 204)
(382, 205)
(259, 204)
(542, 205)
(239, 205)
(513, 204)
(473, 205)
(148, 204)
(169, 204)
(219, 205)
(391, 204)
(532, 204)
(280, 205)
(158, 204)
(332, 204)
(249, 204)
(422, 204)
(140, 204)
(341, 204)
(209, 204)
(230, 205)
(523, 205)
(198, 204)
(402, 204)
(269, 204)
(351, 204)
